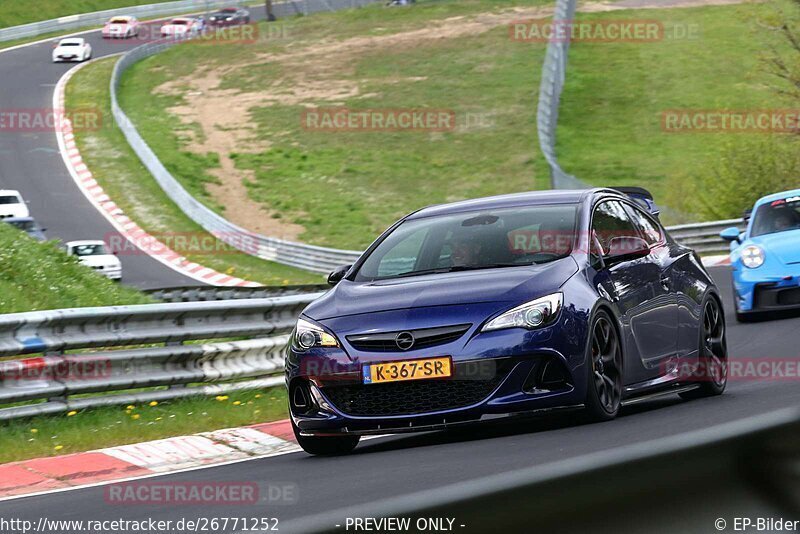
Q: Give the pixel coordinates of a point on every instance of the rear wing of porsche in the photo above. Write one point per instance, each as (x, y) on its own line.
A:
(641, 196)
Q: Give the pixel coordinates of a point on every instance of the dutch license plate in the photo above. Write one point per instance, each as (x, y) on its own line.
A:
(378, 373)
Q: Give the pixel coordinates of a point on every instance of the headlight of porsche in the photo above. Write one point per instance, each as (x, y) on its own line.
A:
(308, 335)
(534, 314)
(753, 257)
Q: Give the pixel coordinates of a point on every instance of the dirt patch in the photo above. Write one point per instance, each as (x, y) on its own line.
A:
(322, 71)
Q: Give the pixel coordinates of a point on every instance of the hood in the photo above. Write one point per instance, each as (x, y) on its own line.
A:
(508, 285)
(100, 260)
(784, 246)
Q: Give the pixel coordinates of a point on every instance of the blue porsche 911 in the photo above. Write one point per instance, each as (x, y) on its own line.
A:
(766, 257)
(504, 306)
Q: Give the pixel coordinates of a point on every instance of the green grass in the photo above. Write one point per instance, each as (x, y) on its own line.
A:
(126, 180)
(16, 12)
(610, 121)
(39, 276)
(105, 427)
(345, 188)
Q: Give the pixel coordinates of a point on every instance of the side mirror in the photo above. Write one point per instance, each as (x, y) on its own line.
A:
(338, 274)
(730, 234)
(624, 248)
(746, 215)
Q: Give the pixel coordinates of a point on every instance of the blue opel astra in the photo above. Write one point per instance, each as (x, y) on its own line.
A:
(503, 306)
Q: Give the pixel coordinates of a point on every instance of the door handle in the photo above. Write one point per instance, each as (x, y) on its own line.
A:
(665, 282)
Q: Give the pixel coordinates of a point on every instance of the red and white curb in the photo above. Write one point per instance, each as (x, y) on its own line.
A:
(141, 460)
(114, 214)
(716, 261)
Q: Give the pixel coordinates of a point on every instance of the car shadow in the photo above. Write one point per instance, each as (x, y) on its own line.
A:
(516, 426)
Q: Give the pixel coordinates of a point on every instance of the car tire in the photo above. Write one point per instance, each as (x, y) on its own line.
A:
(604, 369)
(326, 445)
(714, 348)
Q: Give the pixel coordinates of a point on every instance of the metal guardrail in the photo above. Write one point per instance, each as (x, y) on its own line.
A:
(309, 257)
(207, 293)
(704, 237)
(554, 73)
(111, 377)
(98, 18)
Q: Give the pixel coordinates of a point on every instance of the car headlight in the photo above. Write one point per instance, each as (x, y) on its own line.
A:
(308, 335)
(534, 314)
(753, 257)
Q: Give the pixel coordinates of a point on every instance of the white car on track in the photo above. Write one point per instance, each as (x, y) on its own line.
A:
(181, 27)
(72, 49)
(95, 254)
(12, 204)
(121, 28)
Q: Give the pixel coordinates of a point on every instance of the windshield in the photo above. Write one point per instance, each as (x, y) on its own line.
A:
(119, 21)
(179, 22)
(778, 216)
(89, 250)
(472, 241)
(9, 199)
(70, 44)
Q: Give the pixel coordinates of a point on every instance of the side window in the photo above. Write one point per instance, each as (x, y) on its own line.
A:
(610, 221)
(649, 230)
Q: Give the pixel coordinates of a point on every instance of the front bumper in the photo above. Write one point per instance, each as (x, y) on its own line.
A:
(756, 291)
(496, 375)
(113, 273)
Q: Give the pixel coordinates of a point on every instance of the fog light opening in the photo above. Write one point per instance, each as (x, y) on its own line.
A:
(547, 376)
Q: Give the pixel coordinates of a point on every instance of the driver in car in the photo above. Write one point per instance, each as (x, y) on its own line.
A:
(466, 253)
(782, 221)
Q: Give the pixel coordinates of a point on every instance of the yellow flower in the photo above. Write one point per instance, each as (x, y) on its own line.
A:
(222, 398)
(237, 403)
(34, 430)
(258, 395)
(128, 412)
(286, 282)
(58, 447)
(70, 414)
(130, 407)
(230, 270)
(153, 403)
(135, 416)
(159, 418)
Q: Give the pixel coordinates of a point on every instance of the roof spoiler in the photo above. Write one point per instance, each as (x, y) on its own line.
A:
(641, 196)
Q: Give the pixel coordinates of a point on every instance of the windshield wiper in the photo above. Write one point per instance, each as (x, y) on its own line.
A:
(458, 268)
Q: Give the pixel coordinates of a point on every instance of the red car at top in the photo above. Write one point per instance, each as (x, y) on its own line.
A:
(121, 28)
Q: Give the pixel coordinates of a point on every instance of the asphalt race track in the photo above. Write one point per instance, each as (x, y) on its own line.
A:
(31, 163)
(399, 465)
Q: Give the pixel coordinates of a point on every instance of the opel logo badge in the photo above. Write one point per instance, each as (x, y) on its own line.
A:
(404, 340)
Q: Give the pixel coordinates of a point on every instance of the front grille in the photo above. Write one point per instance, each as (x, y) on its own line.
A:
(789, 297)
(414, 397)
(770, 296)
(423, 338)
